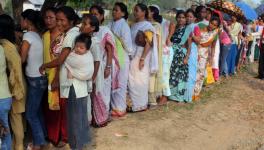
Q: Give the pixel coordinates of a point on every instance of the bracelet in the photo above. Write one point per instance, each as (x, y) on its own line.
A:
(109, 66)
(142, 59)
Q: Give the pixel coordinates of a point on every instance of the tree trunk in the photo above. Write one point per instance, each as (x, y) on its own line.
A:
(17, 9)
(1, 9)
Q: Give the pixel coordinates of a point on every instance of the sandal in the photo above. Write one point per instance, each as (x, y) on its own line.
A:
(61, 144)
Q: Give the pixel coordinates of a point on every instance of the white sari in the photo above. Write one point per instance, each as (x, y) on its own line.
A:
(138, 82)
(110, 84)
(167, 57)
(121, 29)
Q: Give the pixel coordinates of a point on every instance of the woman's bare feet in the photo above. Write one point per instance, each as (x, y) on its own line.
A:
(163, 100)
(36, 147)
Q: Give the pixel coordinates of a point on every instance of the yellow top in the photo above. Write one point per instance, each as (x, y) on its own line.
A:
(4, 88)
(16, 79)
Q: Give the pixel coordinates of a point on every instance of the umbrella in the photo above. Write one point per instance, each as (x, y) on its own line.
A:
(226, 7)
(249, 13)
(260, 10)
(220, 15)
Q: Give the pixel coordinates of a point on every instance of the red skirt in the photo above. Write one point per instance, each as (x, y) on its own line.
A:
(55, 121)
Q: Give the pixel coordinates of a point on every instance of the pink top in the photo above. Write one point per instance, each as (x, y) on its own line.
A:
(196, 31)
(224, 38)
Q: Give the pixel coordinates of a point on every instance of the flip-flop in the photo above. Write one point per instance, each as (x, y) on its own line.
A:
(61, 144)
(118, 115)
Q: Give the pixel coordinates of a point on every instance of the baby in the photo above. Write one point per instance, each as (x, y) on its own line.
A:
(79, 63)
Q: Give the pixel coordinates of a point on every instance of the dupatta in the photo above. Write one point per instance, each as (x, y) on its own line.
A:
(106, 36)
(147, 26)
(50, 49)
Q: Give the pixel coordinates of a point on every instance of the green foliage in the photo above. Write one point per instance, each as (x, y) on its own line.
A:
(82, 4)
(79, 4)
(8, 8)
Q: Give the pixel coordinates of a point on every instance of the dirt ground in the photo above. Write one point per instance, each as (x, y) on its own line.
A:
(230, 116)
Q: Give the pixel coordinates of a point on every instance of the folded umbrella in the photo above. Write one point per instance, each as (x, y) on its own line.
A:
(219, 14)
(249, 12)
(226, 7)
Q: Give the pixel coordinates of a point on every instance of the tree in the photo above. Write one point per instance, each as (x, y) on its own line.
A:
(53, 3)
(79, 4)
(17, 9)
(1, 9)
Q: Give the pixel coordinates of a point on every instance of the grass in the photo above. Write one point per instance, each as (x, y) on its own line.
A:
(207, 94)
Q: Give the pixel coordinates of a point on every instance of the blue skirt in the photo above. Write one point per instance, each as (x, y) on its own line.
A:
(78, 127)
(192, 64)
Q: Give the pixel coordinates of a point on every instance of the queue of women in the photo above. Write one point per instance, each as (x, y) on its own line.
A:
(79, 72)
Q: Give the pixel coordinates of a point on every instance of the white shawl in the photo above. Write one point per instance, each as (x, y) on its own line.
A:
(146, 26)
(80, 66)
(122, 30)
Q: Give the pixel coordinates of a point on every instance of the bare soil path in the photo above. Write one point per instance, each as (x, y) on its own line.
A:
(230, 116)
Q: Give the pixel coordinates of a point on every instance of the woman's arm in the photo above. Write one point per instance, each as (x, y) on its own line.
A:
(56, 62)
(55, 83)
(109, 51)
(189, 47)
(171, 32)
(126, 39)
(239, 36)
(24, 51)
(206, 44)
(209, 43)
(196, 39)
(96, 68)
(144, 55)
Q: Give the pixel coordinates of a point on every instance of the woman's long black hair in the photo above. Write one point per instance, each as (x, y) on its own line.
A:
(198, 11)
(144, 8)
(7, 28)
(70, 14)
(123, 8)
(156, 14)
(179, 12)
(34, 17)
(99, 9)
(94, 22)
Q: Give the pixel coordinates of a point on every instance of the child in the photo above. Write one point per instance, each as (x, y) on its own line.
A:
(78, 60)
(76, 72)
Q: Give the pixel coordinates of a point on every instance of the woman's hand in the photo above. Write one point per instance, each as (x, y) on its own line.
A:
(210, 61)
(185, 60)
(55, 84)
(93, 79)
(107, 72)
(42, 69)
(168, 42)
(141, 64)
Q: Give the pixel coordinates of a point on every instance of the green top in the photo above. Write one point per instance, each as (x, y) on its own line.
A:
(4, 88)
